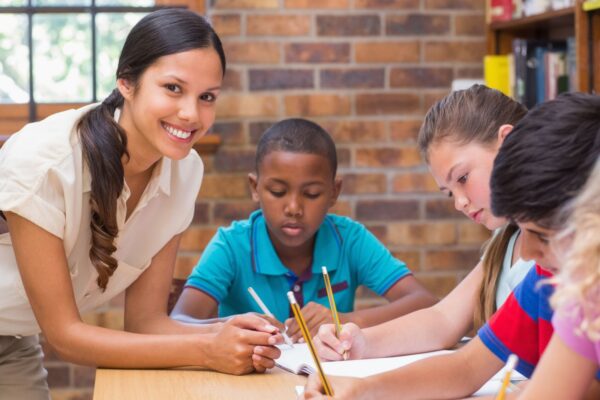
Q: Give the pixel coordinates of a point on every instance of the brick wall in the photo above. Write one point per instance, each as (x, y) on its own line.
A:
(367, 70)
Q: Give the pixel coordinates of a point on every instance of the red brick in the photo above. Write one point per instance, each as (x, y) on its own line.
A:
(441, 209)
(419, 234)
(252, 52)
(352, 78)
(417, 24)
(246, 105)
(224, 186)
(196, 238)
(229, 132)
(83, 376)
(278, 79)
(256, 129)
(412, 259)
(456, 51)
(341, 208)
(378, 230)
(232, 80)
(317, 4)
(387, 103)
(411, 182)
(387, 157)
(455, 4)
(233, 160)
(184, 265)
(344, 157)
(421, 77)
(317, 105)
(364, 183)
(227, 24)
(387, 52)
(317, 53)
(469, 25)
(469, 72)
(225, 213)
(451, 259)
(348, 25)
(438, 284)
(405, 131)
(356, 131)
(201, 211)
(386, 210)
(247, 4)
(472, 233)
(278, 25)
(387, 4)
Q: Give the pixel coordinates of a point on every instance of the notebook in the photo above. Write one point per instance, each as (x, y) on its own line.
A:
(298, 361)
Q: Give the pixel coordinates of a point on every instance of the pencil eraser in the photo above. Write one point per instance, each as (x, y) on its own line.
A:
(291, 297)
(324, 269)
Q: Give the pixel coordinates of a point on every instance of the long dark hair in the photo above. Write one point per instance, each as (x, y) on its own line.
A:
(104, 142)
(475, 115)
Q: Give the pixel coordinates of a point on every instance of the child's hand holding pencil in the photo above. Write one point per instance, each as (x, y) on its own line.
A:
(316, 315)
(351, 341)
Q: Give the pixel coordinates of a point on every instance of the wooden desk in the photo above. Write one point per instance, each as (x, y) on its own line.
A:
(119, 384)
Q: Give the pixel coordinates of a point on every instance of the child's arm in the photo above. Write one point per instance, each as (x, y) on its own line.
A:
(561, 374)
(449, 376)
(196, 304)
(437, 327)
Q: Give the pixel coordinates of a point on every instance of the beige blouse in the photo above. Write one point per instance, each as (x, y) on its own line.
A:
(43, 178)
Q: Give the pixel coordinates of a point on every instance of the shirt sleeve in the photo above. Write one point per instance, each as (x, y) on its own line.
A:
(215, 270)
(566, 322)
(375, 266)
(35, 190)
(512, 330)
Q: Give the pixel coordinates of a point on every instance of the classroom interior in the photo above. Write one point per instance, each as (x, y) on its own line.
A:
(367, 71)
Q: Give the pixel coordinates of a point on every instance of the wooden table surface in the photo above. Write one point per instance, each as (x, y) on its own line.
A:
(117, 384)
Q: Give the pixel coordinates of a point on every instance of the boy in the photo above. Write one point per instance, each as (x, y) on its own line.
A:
(282, 246)
(541, 165)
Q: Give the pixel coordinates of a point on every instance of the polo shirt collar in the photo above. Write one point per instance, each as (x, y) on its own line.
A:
(327, 251)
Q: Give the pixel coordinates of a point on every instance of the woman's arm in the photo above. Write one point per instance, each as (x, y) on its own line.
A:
(194, 303)
(437, 327)
(43, 267)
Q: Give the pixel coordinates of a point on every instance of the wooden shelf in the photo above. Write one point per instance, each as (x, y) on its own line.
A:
(544, 20)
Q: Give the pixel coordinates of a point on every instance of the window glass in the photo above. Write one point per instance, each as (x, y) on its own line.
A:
(14, 59)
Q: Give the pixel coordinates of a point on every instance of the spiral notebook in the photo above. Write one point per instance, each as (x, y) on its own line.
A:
(298, 361)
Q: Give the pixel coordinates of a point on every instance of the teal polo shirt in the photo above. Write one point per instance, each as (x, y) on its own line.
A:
(242, 255)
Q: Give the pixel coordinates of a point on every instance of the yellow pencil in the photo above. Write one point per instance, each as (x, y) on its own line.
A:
(308, 339)
(334, 313)
(511, 363)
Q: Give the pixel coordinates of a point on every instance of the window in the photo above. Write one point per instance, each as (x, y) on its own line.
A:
(61, 51)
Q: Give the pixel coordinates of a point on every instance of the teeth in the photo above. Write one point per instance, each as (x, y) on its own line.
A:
(177, 132)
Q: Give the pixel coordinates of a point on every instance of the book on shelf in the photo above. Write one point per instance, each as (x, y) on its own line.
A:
(506, 10)
(497, 72)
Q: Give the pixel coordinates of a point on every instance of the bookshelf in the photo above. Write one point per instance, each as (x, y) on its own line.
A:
(574, 21)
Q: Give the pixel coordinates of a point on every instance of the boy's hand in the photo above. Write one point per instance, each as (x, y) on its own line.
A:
(331, 348)
(315, 315)
(244, 344)
(343, 388)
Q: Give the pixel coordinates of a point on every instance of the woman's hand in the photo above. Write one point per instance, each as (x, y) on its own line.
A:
(244, 344)
(352, 341)
(315, 315)
(343, 388)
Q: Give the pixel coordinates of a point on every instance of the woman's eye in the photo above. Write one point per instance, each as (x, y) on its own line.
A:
(209, 97)
(173, 88)
(463, 179)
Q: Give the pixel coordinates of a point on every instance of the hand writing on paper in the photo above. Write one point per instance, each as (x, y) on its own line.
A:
(243, 344)
(315, 315)
(331, 348)
(343, 388)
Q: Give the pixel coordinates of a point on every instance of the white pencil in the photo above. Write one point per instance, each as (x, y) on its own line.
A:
(266, 311)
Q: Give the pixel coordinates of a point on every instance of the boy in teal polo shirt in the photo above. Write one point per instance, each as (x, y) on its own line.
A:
(283, 246)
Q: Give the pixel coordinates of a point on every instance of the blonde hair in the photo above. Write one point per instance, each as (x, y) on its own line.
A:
(475, 115)
(578, 283)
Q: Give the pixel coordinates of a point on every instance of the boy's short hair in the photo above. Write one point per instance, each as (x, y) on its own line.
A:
(546, 160)
(297, 135)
